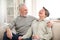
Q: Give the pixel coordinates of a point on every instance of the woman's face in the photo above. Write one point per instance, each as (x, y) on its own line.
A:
(42, 13)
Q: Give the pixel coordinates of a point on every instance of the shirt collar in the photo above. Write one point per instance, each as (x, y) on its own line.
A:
(23, 16)
(42, 20)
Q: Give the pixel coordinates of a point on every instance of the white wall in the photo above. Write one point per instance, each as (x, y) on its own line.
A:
(29, 6)
(2, 11)
(52, 5)
(33, 8)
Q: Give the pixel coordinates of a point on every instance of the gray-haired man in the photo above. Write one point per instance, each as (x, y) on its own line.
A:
(21, 24)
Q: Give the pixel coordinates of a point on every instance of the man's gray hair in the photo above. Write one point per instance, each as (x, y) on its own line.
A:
(20, 6)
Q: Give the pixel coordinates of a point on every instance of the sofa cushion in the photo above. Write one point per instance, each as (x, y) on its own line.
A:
(2, 30)
(56, 31)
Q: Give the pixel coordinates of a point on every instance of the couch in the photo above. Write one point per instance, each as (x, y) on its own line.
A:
(55, 30)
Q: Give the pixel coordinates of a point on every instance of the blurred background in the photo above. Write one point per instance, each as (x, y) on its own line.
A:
(9, 9)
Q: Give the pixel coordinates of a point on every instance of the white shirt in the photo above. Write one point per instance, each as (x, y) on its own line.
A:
(39, 28)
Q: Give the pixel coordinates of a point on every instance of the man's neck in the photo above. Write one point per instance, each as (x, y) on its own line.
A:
(23, 15)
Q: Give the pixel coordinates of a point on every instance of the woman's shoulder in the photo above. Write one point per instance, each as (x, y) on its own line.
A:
(34, 21)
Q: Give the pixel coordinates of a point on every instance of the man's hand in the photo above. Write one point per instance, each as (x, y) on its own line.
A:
(9, 33)
(49, 24)
(19, 38)
(35, 37)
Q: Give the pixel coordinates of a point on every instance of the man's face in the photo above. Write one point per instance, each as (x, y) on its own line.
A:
(42, 13)
(23, 11)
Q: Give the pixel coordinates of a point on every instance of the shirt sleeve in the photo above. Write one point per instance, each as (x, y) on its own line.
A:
(28, 34)
(12, 24)
(48, 36)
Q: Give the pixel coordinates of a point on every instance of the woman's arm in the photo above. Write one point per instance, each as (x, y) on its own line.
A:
(28, 34)
(49, 31)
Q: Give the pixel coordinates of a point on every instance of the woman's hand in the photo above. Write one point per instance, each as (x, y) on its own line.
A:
(35, 37)
(19, 38)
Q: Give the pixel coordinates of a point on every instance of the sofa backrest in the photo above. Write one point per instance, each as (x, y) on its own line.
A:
(56, 31)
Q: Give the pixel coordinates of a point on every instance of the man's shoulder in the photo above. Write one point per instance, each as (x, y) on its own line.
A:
(29, 16)
(32, 17)
(47, 19)
(16, 18)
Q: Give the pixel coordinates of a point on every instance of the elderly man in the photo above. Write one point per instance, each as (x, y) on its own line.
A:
(22, 23)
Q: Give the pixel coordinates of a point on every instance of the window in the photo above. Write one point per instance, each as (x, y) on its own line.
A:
(12, 9)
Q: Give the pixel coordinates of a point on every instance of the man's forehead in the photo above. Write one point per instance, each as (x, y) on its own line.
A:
(23, 7)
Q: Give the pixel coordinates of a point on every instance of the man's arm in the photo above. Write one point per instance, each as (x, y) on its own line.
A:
(9, 33)
(9, 28)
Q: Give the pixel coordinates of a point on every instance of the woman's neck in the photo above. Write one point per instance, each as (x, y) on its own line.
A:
(41, 18)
